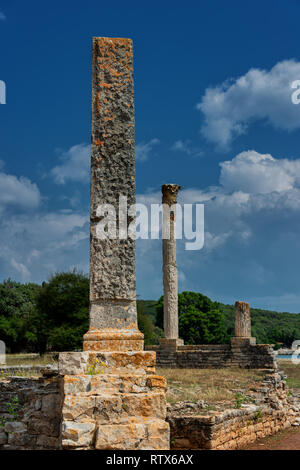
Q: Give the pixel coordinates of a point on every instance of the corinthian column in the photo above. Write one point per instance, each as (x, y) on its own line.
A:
(170, 277)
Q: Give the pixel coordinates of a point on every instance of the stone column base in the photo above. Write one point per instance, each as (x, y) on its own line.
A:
(239, 341)
(171, 344)
(113, 339)
(113, 400)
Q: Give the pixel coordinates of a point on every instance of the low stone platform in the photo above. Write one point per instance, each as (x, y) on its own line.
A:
(237, 354)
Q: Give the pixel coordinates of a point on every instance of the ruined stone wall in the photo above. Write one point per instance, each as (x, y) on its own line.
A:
(30, 413)
(34, 420)
(273, 411)
(260, 356)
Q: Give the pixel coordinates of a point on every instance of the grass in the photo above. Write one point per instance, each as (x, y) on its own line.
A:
(32, 359)
(293, 373)
(27, 359)
(218, 388)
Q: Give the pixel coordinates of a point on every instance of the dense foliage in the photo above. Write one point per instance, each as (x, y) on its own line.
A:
(18, 315)
(63, 307)
(146, 322)
(200, 320)
(54, 316)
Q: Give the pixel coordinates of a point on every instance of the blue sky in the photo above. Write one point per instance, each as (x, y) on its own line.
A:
(212, 85)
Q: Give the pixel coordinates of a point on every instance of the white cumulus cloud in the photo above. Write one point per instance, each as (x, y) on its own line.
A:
(252, 172)
(35, 246)
(258, 95)
(75, 165)
(19, 192)
(144, 149)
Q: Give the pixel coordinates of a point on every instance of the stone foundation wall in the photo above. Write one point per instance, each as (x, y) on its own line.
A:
(248, 356)
(30, 413)
(273, 411)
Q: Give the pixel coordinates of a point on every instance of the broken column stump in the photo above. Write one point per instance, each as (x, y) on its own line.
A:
(112, 397)
(242, 325)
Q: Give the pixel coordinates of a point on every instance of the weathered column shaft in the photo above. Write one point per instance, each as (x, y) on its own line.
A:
(113, 315)
(242, 320)
(170, 277)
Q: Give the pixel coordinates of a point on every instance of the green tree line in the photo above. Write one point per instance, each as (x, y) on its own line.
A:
(55, 315)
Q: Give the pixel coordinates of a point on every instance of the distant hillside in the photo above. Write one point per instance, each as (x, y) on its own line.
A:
(267, 326)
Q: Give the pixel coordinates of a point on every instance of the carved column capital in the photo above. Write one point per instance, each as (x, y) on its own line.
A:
(169, 193)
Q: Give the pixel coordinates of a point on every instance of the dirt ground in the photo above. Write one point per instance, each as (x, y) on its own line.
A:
(289, 439)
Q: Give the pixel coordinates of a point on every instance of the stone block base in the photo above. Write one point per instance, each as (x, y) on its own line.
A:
(170, 344)
(113, 339)
(240, 341)
(113, 400)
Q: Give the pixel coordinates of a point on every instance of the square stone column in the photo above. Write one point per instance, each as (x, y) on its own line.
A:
(113, 315)
(112, 397)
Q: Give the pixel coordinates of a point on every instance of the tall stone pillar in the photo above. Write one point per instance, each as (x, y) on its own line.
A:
(113, 316)
(170, 277)
(243, 324)
(112, 397)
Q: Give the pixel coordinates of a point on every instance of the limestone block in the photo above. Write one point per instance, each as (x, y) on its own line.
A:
(151, 434)
(73, 363)
(158, 437)
(145, 404)
(115, 363)
(78, 406)
(120, 437)
(77, 434)
(110, 384)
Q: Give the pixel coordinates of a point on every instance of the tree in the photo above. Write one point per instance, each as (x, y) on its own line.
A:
(151, 333)
(63, 311)
(200, 321)
(196, 327)
(17, 311)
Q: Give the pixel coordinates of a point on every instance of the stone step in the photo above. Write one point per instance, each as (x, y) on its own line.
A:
(108, 363)
(109, 384)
